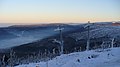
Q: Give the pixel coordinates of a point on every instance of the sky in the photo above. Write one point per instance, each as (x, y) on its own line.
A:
(58, 11)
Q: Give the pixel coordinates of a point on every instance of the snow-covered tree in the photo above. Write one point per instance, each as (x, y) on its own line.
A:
(112, 42)
(12, 58)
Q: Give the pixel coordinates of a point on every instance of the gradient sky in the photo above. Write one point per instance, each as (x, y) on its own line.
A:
(47, 11)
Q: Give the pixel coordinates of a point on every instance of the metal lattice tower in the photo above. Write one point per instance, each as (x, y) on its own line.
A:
(88, 35)
(61, 38)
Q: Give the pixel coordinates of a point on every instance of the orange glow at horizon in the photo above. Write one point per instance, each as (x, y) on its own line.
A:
(48, 18)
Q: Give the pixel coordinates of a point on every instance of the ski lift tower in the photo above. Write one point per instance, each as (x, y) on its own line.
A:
(88, 36)
(61, 38)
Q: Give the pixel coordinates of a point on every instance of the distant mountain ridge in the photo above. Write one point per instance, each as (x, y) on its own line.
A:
(32, 39)
(75, 40)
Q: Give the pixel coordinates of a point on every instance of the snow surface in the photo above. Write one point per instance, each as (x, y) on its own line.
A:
(106, 58)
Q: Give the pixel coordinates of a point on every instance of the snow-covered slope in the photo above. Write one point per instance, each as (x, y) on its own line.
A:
(107, 58)
(110, 31)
